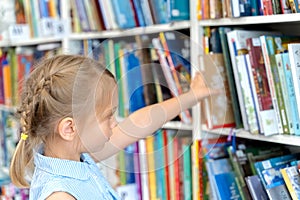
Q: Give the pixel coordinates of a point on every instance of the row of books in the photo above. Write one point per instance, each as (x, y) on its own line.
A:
(97, 15)
(148, 70)
(29, 18)
(159, 166)
(16, 64)
(216, 9)
(263, 72)
(241, 170)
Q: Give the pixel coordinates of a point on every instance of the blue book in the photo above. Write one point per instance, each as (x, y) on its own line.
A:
(291, 92)
(227, 187)
(135, 82)
(178, 10)
(123, 13)
(159, 8)
(160, 163)
(44, 12)
(139, 12)
(129, 163)
(272, 163)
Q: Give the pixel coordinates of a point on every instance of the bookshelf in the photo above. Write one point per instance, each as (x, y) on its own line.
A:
(196, 30)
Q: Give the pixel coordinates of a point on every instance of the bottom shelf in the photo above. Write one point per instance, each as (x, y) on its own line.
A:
(281, 139)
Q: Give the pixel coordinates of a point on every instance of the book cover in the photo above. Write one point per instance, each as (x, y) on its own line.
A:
(285, 96)
(227, 187)
(291, 178)
(147, 12)
(291, 92)
(217, 115)
(256, 188)
(123, 13)
(139, 12)
(230, 77)
(244, 68)
(294, 55)
(159, 10)
(178, 10)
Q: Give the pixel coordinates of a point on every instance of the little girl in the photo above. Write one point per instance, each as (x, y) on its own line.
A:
(68, 124)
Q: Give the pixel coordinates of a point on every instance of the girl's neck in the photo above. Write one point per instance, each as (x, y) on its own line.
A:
(61, 151)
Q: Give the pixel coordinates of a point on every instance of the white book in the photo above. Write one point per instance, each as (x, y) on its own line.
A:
(247, 94)
(144, 169)
(294, 55)
(271, 82)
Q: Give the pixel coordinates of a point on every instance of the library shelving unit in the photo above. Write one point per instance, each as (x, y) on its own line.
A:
(285, 23)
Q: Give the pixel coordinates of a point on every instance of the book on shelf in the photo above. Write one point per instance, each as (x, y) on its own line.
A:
(229, 73)
(237, 45)
(291, 178)
(256, 188)
(260, 88)
(269, 173)
(217, 115)
(294, 53)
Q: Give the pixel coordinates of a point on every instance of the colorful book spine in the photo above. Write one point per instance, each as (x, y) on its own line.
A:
(285, 95)
(247, 94)
(261, 90)
(268, 68)
(291, 92)
(294, 53)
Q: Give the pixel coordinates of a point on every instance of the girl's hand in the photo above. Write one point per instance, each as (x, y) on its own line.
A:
(200, 89)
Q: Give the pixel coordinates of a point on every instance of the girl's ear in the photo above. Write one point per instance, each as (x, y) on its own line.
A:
(66, 129)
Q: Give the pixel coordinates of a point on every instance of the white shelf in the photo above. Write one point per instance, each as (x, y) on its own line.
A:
(130, 32)
(281, 139)
(30, 42)
(178, 125)
(281, 18)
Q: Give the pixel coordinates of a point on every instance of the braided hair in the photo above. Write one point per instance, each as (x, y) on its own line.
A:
(46, 98)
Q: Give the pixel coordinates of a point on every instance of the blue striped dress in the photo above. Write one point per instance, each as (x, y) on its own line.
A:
(82, 180)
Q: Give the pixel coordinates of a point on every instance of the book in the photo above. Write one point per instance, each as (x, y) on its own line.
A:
(256, 188)
(217, 115)
(292, 180)
(294, 53)
(178, 10)
(237, 45)
(261, 90)
(291, 92)
(123, 13)
(230, 77)
(285, 95)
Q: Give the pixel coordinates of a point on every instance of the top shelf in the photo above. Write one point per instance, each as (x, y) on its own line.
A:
(266, 19)
(133, 31)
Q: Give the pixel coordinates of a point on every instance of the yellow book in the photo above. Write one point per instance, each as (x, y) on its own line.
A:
(292, 180)
(151, 166)
(195, 170)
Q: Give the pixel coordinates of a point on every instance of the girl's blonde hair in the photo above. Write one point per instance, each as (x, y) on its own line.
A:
(47, 97)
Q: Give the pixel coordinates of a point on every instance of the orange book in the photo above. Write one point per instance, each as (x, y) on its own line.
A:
(52, 8)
